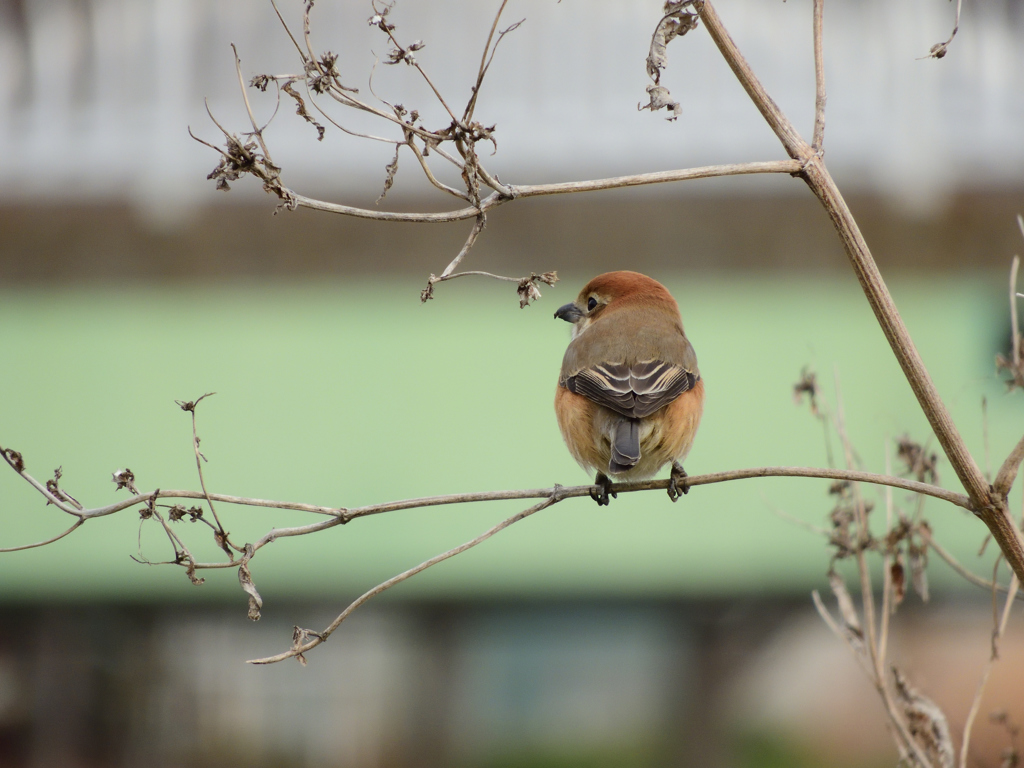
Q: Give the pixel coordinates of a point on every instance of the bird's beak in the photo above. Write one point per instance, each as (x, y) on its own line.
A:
(570, 313)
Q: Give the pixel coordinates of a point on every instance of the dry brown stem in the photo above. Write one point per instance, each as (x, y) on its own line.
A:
(819, 79)
(535, 190)
(990, 506)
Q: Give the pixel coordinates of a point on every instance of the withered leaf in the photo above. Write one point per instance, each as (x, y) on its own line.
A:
(661, 99)
(392, 169)
(807, 385)
(528, 290)
(124, 478)
(675, 23)
(190, 571)
(255, 601)
(15, 459)
(899, 581)
(300, 109)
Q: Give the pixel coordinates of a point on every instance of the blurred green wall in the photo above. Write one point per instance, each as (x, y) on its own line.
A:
(349, 393)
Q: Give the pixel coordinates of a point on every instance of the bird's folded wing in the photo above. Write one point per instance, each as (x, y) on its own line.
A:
(636, 390)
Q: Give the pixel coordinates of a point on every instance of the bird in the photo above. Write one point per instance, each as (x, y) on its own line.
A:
(629, 396)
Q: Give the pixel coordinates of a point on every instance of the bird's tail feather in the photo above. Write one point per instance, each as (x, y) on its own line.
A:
(625, 446)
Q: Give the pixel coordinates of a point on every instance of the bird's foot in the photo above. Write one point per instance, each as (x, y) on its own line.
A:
(677, 484)
(603, 490)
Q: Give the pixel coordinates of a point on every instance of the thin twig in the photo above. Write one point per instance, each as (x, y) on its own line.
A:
(295, 42)
(887, 585)
(819, 79)
(58, 537)
(386, 29)
(478, 227)
(863, 537)
(782, 514)
(322, 636)
(984, 436)
(257, 132)
(1008, 471)
(222, 534)
(467, 116)
(342, 128)
(534, 190)
(955, 564)
(997, 633)
(430, 174)
(1014, 325)
(842, 634)
(939, 50)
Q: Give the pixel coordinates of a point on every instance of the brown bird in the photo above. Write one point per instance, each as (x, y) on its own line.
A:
(629, 396)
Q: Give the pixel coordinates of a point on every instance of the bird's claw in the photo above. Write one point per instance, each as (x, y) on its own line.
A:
(602, 490)
(677, 484)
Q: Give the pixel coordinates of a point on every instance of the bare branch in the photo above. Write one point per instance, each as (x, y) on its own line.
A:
(341, 515)
(467, 116)
(889, 600)
(939, 50)
(14, 459)
(534, 190)
(343, 129)
(58, 537)
(953, 563)
(430, 174)
(990, 507)
(819, 79)
(256, 131)
(1008, 472)
(1014, 325)
(478, 227)
(863, 537)
(299, 649)
(221, 535)
(527, 290)
(381, 23)
(295, 42)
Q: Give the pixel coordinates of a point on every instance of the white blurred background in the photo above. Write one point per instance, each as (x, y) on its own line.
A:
(95, 95)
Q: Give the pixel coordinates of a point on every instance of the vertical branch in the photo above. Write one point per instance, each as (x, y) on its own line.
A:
(863, 538)
(887, 585)
(1014, 325)
(988, 506)
(471, 106)
(819, 79)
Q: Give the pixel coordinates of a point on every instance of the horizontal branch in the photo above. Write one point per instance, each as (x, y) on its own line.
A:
(535, 190)
(658, 177)
(341, 515)
(144, 498)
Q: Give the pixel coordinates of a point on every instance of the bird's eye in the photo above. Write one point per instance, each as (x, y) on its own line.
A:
(591, 303)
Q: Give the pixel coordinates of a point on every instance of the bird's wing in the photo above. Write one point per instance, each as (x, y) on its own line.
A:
(636, 390)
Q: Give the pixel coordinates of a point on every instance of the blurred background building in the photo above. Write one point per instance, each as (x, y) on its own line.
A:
(642, 635)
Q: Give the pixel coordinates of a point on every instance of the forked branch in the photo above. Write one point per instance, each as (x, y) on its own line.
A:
(989, 505)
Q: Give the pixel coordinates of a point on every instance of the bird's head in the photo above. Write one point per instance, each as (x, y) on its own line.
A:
(609, 292)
